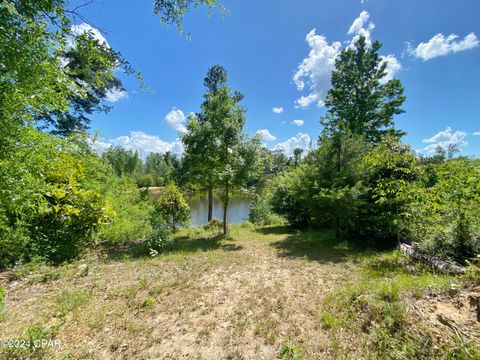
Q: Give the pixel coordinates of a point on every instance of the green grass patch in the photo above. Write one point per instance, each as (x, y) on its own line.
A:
(71, 301)
(2, 299)
(373, 308)
(290, 350)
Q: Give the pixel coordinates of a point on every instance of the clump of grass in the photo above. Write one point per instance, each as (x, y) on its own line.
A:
(472, 275)
(329, 320)
(2, 303)
(69, 301)
(290, 350)
(374, 309)
(148, 303)
(2, 298)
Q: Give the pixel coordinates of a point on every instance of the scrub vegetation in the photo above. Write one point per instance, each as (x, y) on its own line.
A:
(96, 251)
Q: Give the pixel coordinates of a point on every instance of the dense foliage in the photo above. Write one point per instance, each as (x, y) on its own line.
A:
(172, 207)
(51, 200)
(365, 184)
(57, 196)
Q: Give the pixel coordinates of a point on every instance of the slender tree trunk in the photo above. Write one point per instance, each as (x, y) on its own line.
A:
(210, 204)
(225, 210)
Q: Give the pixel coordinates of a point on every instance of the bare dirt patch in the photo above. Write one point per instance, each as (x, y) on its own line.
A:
(458, 313)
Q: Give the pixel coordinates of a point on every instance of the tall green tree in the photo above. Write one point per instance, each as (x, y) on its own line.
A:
(92, 66)
(217, 151)
(235, 155)
(361, 99)
(297, 156)
(199, 153)
(123, 161)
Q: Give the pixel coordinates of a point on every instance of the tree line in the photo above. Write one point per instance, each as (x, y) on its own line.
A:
(58, 197)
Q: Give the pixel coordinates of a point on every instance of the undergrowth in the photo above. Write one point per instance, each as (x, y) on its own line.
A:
(374, 310)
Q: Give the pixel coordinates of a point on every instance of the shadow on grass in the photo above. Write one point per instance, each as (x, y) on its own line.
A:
(312, 244)
(180, 244)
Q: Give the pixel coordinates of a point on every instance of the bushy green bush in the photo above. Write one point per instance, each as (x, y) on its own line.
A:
(442, 209)
(131, 211)
(159, 236)
(290, 196)
(172, 206)
(260, 212)
(50, 207)
(390, 167)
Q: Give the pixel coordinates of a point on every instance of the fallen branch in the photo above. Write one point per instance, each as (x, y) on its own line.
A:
(444, 265)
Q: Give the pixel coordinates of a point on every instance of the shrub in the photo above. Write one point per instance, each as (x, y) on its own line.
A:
(131, 209)
(260, 212)
(172, 207)
(159, 236)
(290, 196)
(49, 205)
(442, 207)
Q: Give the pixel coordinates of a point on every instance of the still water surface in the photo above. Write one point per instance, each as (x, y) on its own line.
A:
(237, 209)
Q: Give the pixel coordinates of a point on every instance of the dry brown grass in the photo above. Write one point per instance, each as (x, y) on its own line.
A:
(246, 297)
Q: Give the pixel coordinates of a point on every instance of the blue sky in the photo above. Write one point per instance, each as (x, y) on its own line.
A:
(271, 48)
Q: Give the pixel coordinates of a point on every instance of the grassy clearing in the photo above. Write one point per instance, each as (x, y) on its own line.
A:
(377, 310)
(259, 293)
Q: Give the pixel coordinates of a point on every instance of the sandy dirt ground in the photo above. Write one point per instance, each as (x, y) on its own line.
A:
(232, 299)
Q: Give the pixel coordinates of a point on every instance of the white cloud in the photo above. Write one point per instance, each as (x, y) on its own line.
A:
(315, 71)
(265, 135)
(115, 94)
(176, 119)
(359, 22)
(141, 142)
(476, 133)
(298, 122)
(358, 28)
(393, 67)
(439, 45)
(277, 110)
(444, 139)
(301, 140)
(86, 28)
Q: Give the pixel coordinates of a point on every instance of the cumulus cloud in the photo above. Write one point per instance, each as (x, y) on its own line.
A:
(361, 26)
(476, 133)
(444, 139)
(441, 45)
(265, 135)
(277, 110)
(115, 94)
(315, 71)
(393, 67)
(141, 142)
(86, 28)
(301, 140)
(298, 122)
(176, 119)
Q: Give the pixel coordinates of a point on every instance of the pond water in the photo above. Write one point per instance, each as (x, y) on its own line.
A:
(237, 209)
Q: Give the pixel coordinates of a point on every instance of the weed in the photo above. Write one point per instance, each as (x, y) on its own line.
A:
(148, 303)
(329, 320)
(290, 350)
(69, 301)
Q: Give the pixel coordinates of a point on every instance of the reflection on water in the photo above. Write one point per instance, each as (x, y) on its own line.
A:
(237, 209)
